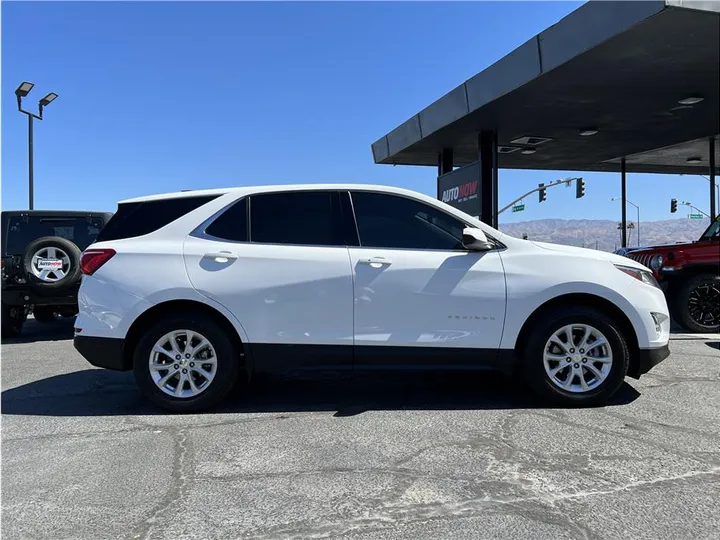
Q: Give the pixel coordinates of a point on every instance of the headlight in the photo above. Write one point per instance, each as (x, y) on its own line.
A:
(640, 275)
(656, 262)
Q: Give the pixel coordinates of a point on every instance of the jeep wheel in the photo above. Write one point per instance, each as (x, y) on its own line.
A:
(576, 356)
(44, 314)
(697, 303)
(52, 263)
(12, 320)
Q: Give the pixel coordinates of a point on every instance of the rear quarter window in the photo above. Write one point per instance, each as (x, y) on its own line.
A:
(141, 218)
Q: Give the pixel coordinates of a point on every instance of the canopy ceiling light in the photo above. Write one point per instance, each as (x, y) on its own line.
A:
(588, 132)
(692, 100)
(694, 159)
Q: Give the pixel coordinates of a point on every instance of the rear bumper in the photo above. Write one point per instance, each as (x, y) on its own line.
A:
(103, 352)
(27, 296)
(648, 359)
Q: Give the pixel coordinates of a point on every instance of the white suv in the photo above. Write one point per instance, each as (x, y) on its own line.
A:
(192, 289)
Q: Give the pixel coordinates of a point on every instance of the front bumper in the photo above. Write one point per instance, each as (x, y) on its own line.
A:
(648, 359)
(108, 353)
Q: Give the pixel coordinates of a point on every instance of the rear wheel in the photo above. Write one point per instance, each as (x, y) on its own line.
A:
(13, 318)
(185, 363)
(577, 356)
(697, 303)
(44, 314)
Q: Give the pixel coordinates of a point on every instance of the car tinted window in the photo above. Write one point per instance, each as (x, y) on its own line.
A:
(139, 218)
(391, 221)
(231, 224)
(304, 217)
(21, 230)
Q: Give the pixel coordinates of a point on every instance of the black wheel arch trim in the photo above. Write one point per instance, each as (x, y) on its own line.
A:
(584, 300)
(175, 307)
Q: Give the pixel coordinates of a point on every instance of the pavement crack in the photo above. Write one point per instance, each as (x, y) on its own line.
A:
(175, 493)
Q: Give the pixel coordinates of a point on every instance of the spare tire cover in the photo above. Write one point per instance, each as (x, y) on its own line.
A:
(52, 263)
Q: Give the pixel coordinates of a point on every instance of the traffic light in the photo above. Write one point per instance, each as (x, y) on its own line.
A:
(579, 188)
(541, 194)
(673, 206)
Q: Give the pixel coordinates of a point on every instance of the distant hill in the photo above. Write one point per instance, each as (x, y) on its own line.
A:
(604, 233)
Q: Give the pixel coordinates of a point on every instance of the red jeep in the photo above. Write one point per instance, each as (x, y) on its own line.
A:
(690, 276)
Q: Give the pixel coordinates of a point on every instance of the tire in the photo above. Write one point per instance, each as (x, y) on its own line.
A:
(44, 314)
(226, 370)
(11, 325)
(697, 303)
(599, 390)
(51, 282)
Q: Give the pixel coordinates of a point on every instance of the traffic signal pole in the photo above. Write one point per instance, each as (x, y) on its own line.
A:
(540, 188)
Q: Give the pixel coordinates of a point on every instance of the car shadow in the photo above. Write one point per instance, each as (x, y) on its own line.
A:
(33, 331)
(96, 392)
(713, 344)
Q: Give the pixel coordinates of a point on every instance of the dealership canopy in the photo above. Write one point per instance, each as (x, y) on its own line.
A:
(611, 80)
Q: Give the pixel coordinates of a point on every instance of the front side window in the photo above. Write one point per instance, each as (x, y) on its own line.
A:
(391, 221)
(301, 218)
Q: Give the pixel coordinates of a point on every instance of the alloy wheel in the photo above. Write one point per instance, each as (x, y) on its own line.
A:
(50, 264)
(704, 304)
(183, 363)
(577, 358)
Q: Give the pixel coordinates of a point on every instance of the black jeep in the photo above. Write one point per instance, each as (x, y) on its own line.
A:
(41, 263)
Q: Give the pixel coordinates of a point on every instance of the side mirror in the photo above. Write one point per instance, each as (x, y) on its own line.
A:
(475, 240)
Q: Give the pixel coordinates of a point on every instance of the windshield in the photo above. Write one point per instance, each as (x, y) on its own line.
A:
(21, 230)
(713, 231)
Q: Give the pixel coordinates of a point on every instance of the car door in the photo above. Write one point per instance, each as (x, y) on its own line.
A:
(279, 263)
(420, 296)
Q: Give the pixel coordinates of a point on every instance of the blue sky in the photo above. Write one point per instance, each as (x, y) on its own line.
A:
(158, 97)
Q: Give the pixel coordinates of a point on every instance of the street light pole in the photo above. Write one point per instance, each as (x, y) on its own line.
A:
(22, 91)
(31, 198)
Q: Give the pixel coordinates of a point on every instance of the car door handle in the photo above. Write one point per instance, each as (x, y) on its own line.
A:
(221, 256)
(376, 262)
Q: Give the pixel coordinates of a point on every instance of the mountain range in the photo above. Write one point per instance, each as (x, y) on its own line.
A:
(604, 234)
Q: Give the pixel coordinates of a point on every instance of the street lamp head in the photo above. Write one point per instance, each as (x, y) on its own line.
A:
(24, 89)
(48, 99)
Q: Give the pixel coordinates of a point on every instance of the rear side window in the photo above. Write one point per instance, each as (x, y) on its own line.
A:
(21, 230)
(139, 218)
(303, 218)
(232, 224)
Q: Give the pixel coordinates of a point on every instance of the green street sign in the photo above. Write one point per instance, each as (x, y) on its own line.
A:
(518, 208)
(695, 216)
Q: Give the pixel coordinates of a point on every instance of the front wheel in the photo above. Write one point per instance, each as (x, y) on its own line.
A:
(697, 303)
(185, 363)
(576, 356)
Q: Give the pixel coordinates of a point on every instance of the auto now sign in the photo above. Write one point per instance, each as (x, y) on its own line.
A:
(461, 188)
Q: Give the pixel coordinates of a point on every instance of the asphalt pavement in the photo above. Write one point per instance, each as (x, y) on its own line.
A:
(376, 457)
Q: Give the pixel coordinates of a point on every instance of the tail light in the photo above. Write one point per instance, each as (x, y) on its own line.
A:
(93, 259)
